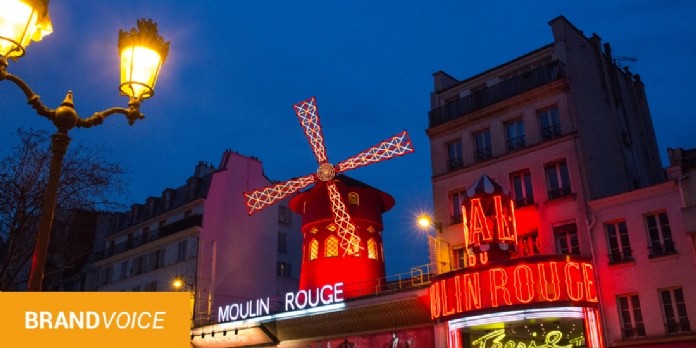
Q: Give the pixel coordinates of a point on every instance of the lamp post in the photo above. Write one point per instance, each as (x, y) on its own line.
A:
(438, 257)
(142, 53)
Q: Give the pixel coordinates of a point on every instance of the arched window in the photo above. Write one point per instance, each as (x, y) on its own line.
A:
(313, 249)
(371, 249)
(331, 247)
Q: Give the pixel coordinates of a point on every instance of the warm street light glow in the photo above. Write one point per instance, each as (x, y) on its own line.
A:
(142, 54)
(424, 221)
(20, 22)
(177, 283)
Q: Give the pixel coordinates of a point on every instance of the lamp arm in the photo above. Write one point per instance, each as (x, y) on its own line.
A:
(132, 113)
(33, 99)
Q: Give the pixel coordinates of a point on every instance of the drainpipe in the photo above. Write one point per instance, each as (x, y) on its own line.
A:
(590, 224)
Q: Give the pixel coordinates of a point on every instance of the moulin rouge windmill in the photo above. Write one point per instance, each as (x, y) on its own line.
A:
(325, 179)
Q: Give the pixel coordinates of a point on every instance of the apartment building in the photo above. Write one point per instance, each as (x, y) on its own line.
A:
(568, 133)
(201, 235)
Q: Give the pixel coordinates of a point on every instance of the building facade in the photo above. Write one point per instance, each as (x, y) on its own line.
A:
(200, 234)
(568, 134)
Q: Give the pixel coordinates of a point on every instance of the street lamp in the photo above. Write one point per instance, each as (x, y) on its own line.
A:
(142, 53)
(438, 249)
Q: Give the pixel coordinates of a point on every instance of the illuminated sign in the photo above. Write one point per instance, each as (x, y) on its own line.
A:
(497, 338)
(544, 279)
(298, 300)
(490, 228)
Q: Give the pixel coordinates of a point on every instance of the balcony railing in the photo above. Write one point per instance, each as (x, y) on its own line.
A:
(674, 328)
(490, 95)
(455, 163)
(657, 249)
(559, 192)
(164, 231)
(633, 332)
(483, 153)
(617, 256)
(515, 144)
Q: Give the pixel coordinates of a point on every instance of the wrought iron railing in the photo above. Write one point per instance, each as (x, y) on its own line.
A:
(506, 89)
(164, 231)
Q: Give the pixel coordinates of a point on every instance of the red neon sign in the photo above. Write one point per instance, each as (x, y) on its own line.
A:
(489, 228)
(550, 278)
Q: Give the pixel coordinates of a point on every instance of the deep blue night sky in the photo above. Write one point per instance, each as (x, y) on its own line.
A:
(236, 67)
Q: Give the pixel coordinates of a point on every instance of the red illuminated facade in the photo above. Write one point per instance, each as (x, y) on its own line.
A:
(323, 261)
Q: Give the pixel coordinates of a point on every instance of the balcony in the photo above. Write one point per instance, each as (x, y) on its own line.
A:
(490, 95)
(162, 232)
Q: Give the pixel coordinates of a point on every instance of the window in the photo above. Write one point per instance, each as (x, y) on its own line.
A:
(181, 249)
(550, 123)
(482, 145)
(514, 135)
(137, 267)
(353, 198)
(151, 286)
(521, 183)
(674, 311)
(144, 235)
(124, 270)
(129, 241)
(567, 239)
(156, 260)
(105, 275)
(331, 247)
(528, 244)
(456, 200)
(371, 249)
(459, 255)
(313, 249)
(557, 179)
(630, 316)
(283, 269)
(282, 242)
(619, 245)
(284, 215)
(659, 234)
(454, 155)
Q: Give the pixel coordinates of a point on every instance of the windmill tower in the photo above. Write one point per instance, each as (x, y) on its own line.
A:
(325, 212)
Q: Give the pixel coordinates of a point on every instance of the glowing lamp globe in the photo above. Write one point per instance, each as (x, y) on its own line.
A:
(22, 21)
(177, 283)
(142, 51)
(424, 222)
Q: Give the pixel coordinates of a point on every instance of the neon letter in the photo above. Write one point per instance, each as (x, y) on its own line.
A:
(524, 284)
(478, 225)
(546, 287)
(570, 281)
(498, 286)
(588, 274)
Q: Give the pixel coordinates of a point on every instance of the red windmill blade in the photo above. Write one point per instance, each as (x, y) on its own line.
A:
(308, 115)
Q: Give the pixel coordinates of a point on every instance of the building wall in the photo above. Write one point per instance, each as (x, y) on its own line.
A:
(646, 272)
(201, 233)
(238, 252)
(606, 138)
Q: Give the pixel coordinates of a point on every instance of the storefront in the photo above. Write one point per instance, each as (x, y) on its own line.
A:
(544, 301)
